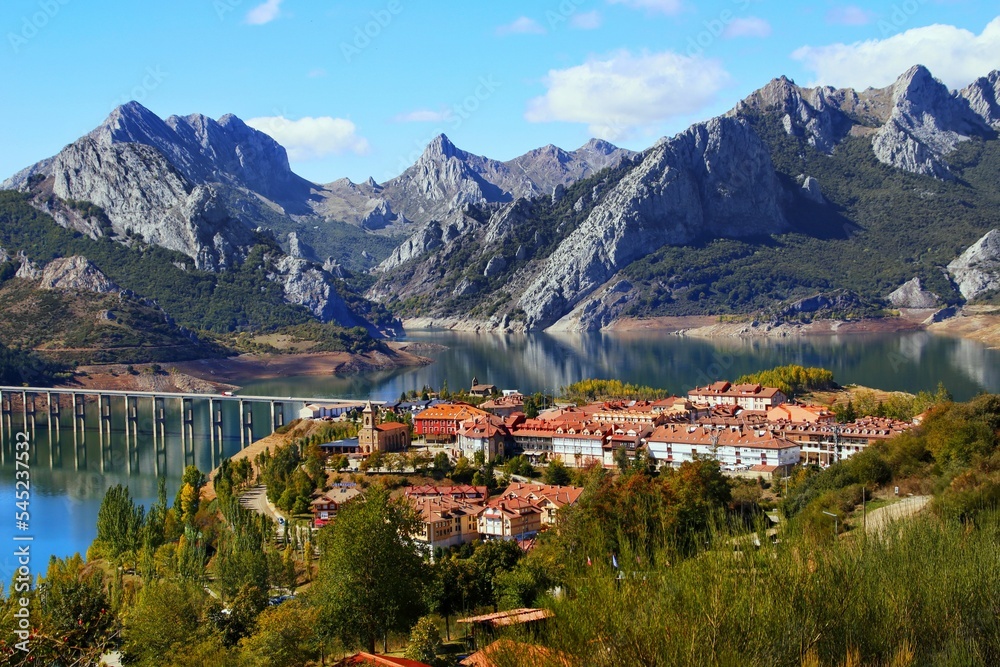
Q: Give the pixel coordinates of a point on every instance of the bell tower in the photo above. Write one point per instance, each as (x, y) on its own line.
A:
(367, 441)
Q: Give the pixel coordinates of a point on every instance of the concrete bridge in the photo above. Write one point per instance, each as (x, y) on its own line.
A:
(49, 402)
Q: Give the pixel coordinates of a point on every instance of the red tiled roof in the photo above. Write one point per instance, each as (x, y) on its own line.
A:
(380, 661)
(512, 617)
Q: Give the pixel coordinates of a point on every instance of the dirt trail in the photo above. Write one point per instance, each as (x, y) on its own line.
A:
(883, 517)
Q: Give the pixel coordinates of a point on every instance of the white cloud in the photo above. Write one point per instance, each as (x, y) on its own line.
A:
(265, 12)
(954, 55)
(423, 116)
(624, 91)
(521, 26)
(662, 6)
(750, 26)
(849, 15)
(312, 138)
(586, 20)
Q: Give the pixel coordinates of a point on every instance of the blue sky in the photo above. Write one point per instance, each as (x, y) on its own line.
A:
(358, 88)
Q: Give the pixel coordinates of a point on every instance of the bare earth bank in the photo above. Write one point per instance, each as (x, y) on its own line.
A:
(226, 374)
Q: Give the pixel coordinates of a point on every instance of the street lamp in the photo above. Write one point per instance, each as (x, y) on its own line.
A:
(836, 520)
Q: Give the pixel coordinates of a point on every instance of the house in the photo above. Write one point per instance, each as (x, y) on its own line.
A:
(502, 651)
(734, 447)
(345, 446)
(504, 406)
(486, 626)
(795, 412)
(509, 518)
(446, 521)
(487, 434)
(746, 396)
(481, 390)
(441, 423)
(549, 498)
(827, 443)
(457, 492)
(384, 437)
(373, 660)
(328, 410)
(326, 506)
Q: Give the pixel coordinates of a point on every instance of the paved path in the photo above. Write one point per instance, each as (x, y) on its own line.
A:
(255, 499)
(883, 517)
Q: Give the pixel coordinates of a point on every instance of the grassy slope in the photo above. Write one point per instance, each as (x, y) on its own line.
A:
(70, 327)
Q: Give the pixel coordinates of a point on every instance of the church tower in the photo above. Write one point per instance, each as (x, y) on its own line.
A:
(367, 438)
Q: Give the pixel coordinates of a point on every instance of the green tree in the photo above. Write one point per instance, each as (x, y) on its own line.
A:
(285, 636)
(425, 642)
(442, 466)
(188, 498)
(556, 473)
(120, 524)
(489, 561)
(167, 618)
(370, 574)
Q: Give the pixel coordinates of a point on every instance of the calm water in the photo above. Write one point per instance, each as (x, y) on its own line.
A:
(69, 479)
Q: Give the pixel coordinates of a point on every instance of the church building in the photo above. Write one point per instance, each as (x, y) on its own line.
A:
(386, 437)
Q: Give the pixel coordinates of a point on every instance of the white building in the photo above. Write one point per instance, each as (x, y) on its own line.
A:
(332, 410)
(734, 447)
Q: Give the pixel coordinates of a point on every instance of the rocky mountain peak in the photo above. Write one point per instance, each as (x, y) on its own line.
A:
(926, 123)
(598, 147)
(441, 148)
(983, 96)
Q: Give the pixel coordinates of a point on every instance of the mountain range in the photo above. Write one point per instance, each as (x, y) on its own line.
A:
(758, 210)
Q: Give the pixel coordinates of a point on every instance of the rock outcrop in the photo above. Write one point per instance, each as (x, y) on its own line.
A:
(305, 284)
(715, 179)
(28, 269)
(142, 193)
(75, 273)
(915, 122)
(926, 123)
(977, 270)
(811, 190)
(983, 95)
(299, 248)
(911, 294)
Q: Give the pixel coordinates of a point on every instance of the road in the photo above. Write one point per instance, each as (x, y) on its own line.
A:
(880, 519)
(255, 499)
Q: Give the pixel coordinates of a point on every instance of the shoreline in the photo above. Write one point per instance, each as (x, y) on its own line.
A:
(978, 323)
(228, 373)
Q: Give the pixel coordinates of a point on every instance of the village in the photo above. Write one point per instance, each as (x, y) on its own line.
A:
(752, 431)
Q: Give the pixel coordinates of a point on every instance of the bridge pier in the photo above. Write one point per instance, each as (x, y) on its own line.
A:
(187, 430)
(5, 409)
(132, 433)
(52, 411)
(216, 434)
(159, 432)
(277, 415)
(246, 426)
(25, 413)
(104, 436)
